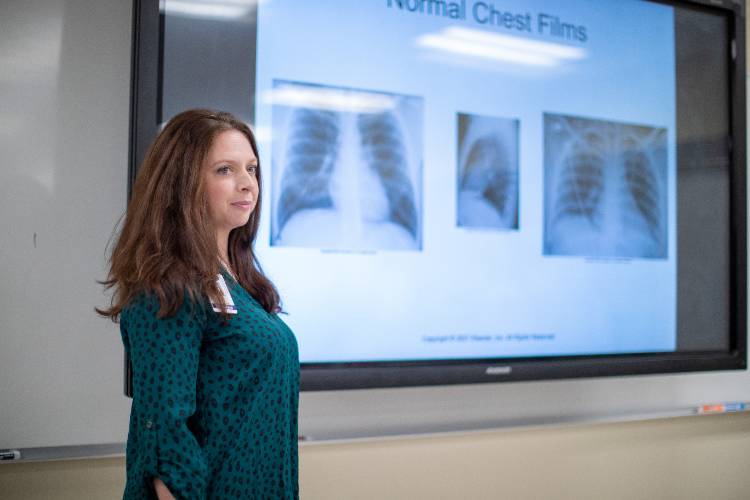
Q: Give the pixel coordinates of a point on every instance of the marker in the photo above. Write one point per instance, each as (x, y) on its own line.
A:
(711, 409)
(10, 454)
(735, 407)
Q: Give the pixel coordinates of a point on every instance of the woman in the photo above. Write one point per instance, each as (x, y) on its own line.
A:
(215, 371)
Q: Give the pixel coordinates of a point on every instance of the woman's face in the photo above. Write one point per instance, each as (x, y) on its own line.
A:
(229, 174)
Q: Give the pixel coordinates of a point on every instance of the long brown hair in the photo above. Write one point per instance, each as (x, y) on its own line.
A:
(167, 245)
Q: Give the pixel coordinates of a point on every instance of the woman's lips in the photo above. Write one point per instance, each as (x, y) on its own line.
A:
(242, 204)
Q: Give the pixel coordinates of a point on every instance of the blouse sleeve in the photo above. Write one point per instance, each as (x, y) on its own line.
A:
(164, 355)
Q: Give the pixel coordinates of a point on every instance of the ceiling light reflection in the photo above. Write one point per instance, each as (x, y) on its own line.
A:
(500, 47)
(207, 9)
(480, 50)
(330, 99)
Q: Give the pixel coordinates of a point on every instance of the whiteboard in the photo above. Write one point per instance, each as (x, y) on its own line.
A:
(64, 109)
(64, 142)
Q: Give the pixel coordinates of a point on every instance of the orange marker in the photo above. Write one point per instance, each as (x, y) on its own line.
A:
(712, 409)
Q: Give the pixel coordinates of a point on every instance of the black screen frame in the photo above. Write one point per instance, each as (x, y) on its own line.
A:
(145, 117)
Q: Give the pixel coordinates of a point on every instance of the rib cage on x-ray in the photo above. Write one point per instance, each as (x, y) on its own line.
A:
(354, 172)
(581, 184)
(641, 183)
(311, 155)
(608, 192)
(383, 149)
(485, 171)
(493, 185)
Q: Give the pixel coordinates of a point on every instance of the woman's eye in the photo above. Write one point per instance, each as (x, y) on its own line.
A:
(252, 169)
(223, 170)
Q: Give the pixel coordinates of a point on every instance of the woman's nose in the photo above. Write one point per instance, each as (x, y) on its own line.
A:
(246, 181)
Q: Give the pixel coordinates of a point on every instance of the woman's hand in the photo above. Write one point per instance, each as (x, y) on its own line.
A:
(162, 492)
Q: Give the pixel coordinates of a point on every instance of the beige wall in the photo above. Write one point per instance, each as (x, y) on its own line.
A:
(683, 458)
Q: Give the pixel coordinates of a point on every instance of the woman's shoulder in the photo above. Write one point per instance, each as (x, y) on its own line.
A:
(146, 305)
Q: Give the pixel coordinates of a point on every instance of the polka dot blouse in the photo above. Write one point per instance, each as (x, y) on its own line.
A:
(214, 411)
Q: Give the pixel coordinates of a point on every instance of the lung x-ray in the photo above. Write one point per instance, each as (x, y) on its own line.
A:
(605, 188)
(346, 168)
(487, 182)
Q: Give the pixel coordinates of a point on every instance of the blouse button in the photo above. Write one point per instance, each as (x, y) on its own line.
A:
(149, 424)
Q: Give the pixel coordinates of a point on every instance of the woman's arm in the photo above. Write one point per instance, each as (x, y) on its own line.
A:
(162, 492)
(164, 354)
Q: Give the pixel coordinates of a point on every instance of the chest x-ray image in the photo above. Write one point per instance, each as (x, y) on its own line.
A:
(346, 168)
(487, 182)
(605, 188)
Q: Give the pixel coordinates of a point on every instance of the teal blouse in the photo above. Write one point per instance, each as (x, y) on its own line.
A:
(214, 411)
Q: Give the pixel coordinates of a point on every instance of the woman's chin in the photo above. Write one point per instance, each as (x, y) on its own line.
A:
(240, 222)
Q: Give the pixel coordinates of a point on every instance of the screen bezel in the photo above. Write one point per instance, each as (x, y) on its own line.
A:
(145, 117)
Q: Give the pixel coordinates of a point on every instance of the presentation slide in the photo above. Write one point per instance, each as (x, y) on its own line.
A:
(469, 179)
